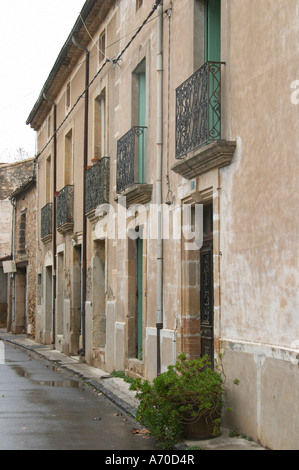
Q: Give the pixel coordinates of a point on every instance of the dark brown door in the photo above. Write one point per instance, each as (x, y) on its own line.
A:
(206, 286)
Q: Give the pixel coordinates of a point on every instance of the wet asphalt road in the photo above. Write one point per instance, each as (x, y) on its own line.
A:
(44, 408)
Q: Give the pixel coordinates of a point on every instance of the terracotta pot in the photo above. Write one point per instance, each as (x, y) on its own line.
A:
(200, 429)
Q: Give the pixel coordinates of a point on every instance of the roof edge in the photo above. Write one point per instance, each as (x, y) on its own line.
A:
(76, 28)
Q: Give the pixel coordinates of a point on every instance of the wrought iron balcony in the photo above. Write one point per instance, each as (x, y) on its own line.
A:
(130, 159)
(131, 167)
(65, 209)
(97, 180)
(199, 143)
(198, 109)
(46, 222)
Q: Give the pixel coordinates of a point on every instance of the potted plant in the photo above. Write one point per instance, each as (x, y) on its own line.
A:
(185, 401)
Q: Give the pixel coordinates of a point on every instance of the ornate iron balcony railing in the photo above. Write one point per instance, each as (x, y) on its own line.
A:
(46, 221)
(65, 209)
(130, 159)
(97, 180)
(198, 109)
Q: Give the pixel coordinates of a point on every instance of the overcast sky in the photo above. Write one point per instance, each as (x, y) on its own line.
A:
(32, 33)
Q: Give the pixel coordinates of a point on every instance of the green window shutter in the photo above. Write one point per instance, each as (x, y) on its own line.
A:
(213, 30)
(141, 123)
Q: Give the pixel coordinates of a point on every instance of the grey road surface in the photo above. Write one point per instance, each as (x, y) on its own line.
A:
(44, 408)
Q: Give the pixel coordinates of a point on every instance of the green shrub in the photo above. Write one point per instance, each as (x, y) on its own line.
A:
(186, 392)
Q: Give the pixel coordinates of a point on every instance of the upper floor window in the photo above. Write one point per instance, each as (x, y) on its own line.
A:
(102, 47)
(68, 97)
(49, 127)
(68, 159)
(213, 30)
(100, 131)
(138, 4)
(22, 233)
(48, 179)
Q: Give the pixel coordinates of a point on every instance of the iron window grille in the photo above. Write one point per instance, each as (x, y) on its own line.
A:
(97, 179)
(198, 109)
(65, 206)
(130, 158)
(46, 220)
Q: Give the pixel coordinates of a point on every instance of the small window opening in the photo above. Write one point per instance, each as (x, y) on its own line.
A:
(138, 4)
(68, 96)
(102, 47)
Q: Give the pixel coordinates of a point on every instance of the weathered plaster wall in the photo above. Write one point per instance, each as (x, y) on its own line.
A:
(25, 251)
(259, 242)
(5, 228)
(3, 298)
(12, 176)
(259, 228)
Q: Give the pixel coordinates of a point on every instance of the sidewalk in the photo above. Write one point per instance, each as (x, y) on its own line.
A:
(117, 390)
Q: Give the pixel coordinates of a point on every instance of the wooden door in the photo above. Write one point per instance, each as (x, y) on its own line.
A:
(207, 285)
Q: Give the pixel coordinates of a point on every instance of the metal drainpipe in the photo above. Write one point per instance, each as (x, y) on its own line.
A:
(159, 324)
(54, 219)
(13, 275)
(84, 251)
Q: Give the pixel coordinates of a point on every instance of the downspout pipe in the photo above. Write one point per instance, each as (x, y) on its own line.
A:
(54, 220)
(85, 162)
(159, 324)
(13, 251)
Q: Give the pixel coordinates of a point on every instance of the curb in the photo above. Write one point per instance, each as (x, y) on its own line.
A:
(37, 349)
(223, 442)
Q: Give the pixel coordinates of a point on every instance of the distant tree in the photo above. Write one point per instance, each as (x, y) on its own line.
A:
(11, 156)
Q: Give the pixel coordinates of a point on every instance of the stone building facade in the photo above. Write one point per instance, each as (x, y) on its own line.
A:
(170, 105)
(12, 176)
(22, 283)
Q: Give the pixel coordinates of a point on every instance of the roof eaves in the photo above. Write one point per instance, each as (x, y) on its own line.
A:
(21, 189)
(61, 57)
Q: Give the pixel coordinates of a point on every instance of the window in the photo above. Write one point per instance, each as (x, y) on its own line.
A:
(213, 30)
(22, 234)
(139, 114)
(68, 159)
(102, 47)
(138, 4)
(100, 125)
(39, 290)
(49, 127)
(48, 179)
(68, 96)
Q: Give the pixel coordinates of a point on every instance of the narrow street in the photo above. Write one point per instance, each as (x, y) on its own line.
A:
(43, 407)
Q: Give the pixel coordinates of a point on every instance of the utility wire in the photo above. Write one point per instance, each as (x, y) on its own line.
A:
(79, 63)
(155, 6)
(93, 41)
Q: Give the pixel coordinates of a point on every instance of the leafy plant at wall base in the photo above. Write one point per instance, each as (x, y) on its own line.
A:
(120, 374)
(187, 392)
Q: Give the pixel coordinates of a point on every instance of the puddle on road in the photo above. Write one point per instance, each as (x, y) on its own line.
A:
(49, 383)
(20, 371)
(59, 383)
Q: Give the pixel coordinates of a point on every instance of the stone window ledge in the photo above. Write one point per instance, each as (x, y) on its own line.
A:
(203, 159)
(66, 228)
(137, 194)
(47, 239)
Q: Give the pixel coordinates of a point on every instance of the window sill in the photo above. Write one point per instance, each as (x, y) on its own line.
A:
(139, 193)
(66, 228)
(47, 239)
(203, 159)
